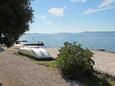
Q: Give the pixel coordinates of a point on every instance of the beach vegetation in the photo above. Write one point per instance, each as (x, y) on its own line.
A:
(75, 61)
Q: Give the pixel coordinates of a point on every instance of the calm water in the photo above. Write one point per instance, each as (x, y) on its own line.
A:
(92, 40)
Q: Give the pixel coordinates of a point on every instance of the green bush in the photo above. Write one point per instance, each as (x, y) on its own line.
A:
(74, 61)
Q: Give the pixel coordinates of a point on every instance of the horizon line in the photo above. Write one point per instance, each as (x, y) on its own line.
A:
(64, 32)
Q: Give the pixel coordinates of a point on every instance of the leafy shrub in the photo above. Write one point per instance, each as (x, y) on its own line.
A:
(75, 61)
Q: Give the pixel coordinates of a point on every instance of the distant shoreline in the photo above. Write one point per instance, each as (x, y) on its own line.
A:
(74, 32)
(103, 50)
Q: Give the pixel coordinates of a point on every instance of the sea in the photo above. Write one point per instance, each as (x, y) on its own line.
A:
(91, 40)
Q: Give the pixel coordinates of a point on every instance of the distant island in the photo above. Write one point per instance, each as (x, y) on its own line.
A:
(68, 33)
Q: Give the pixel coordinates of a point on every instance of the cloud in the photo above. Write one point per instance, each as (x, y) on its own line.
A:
(106, 4)
(93, 10)
(81, 1)
(59, 12)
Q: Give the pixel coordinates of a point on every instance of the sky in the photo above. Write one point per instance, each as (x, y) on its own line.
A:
(72, 16)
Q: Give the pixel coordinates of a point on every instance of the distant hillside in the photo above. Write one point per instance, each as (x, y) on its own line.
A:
(75, 34)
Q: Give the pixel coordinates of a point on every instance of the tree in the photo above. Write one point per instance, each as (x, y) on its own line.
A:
(15, 17)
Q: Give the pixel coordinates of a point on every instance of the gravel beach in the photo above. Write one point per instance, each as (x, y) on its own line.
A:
(16, 71)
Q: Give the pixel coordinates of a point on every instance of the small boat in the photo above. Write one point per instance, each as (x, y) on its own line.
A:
(38, 53)
(39, 43)
(22, 43)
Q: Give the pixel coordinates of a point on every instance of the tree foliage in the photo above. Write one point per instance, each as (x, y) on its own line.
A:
(15, 16)
(75, 61)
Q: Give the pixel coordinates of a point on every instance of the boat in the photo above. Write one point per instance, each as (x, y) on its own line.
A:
(39, 43)
(22, 43)
(38, 53)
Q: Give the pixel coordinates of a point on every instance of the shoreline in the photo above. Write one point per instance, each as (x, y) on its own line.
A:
(103, 50)
(55, 51)
(104, 61)
(98, 49)
(20, 69)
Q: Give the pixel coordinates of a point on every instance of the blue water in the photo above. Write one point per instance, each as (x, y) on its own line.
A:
(91, 40)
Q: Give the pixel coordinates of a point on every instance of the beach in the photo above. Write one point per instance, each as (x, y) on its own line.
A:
(15, 71)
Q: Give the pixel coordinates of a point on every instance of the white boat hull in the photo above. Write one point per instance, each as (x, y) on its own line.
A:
(38, 53)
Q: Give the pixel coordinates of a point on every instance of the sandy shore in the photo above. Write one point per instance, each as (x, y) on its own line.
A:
(21, 72)
(105, 62)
